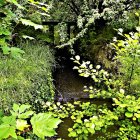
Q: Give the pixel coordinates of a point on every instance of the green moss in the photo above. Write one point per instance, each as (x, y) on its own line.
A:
(29, 80)
(94, 43)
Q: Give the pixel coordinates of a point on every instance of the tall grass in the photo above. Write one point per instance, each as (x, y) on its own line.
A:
(28, 80)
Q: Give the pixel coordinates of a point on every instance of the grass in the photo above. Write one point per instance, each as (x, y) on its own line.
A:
(28, 80)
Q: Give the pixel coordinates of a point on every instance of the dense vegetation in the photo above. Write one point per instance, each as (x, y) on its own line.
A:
(105, 32)
(29, 79)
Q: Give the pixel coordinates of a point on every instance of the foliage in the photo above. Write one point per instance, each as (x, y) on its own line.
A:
(128, 105)
(28, 80)
(12, 14)
(93, 46)
(35, 10)
(89, 12)
(14, 125)
(123, 113)
(88, 118)
(127, 59)
(127, 56)
(30, 23)
(105, 85)
(48, 123)
(131, 22)
(6, 29)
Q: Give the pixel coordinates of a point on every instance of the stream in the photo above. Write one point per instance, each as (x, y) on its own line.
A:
(69, 87)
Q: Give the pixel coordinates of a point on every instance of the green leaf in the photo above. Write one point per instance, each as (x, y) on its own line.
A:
(28, 37)
(20, 138)
(30, 23)
(130, 109)
(137, 115)
(16, 3)
(25, 115)
(21, 111)
(4, 31)
(43, 124)
(16, 52)
(70, 129)
(137, 14)
(79, 131)
(91, 130)
(23, 108)
(72, 134)
(21, 124)
(11, 120)
(6, 50)
(123, 105)
(91, 96)
(1, 113)
(128, 114)
(97, 128)
(7, 130)
(15, 107)
(2, 3)
(79, 121)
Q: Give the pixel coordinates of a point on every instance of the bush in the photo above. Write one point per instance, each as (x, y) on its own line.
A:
(28, 80)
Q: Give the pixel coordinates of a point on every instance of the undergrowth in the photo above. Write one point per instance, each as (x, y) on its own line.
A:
(27, 80)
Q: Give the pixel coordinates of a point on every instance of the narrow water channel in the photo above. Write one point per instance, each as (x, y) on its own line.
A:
(69, 87)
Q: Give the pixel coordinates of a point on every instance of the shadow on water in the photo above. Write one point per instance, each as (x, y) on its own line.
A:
(69, 85)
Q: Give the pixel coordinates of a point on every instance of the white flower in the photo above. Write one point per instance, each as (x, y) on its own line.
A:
(58, 103)
(83, 65)
(77, 57)
(122, 91)
(85, 120)
(98, 67)
(88, 62)
(114, 39)
(120, 30)
(48, 103)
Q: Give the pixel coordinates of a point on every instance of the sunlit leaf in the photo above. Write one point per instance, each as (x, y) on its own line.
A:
(43, 124)
(30, 23)
(28, 37)
(128, 114)
(6, 50)
(7, 130)
(21, 124)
